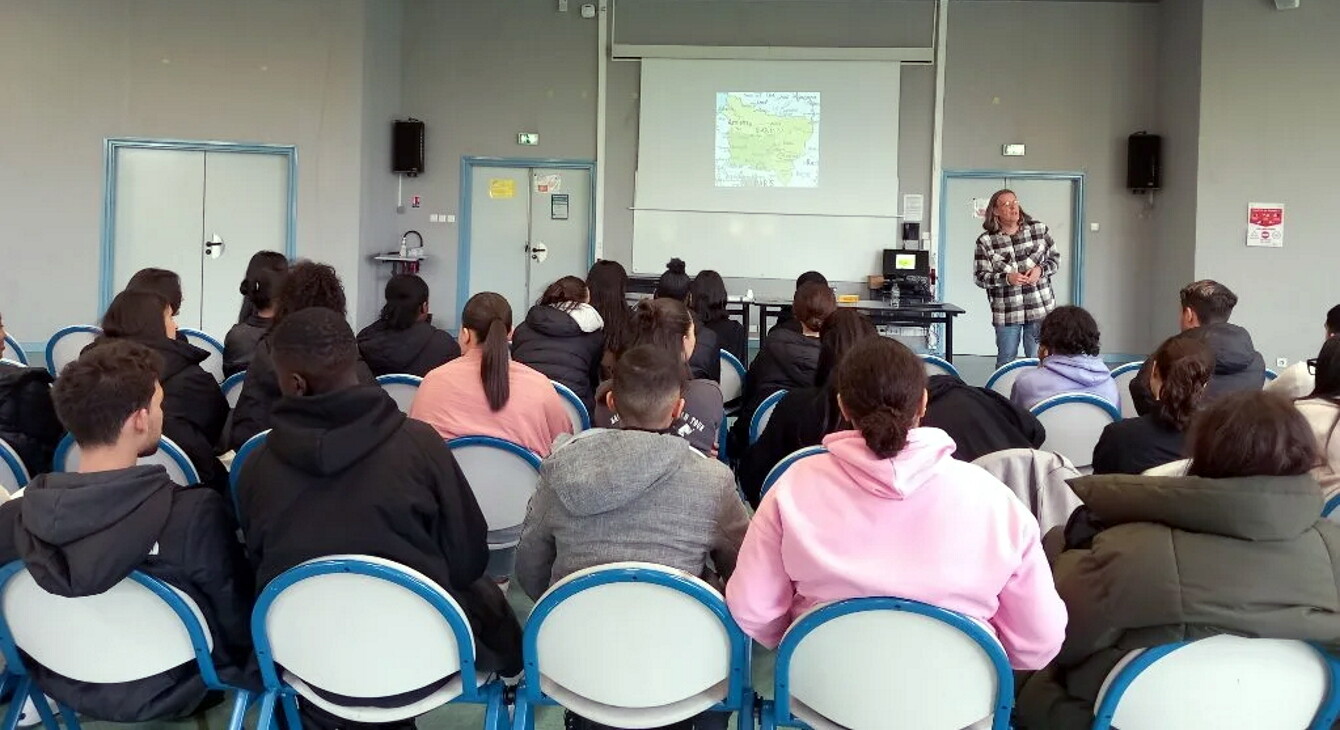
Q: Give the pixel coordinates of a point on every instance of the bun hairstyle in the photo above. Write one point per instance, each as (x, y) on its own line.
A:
(565, 293)
(265, 273)
(663, 323)
(1185, 365)
(405, 296)
(882, 384)
(812, 304)
(674, 283)
(489, 317)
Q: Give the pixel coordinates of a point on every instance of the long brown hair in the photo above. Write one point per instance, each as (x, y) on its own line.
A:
(489, 317)
(136, 314)
(881, 384)
(1250, 433)
(663, 323)
(990, 223)
(1185, 365)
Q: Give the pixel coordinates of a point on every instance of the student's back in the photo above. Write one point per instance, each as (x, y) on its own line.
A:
(403, 339)
(27, 418)
(563, 337)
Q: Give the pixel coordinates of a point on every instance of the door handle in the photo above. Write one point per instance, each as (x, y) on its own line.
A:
(214, 247)
(539, 252)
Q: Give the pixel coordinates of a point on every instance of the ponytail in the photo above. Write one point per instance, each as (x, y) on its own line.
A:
(882, 384)
(405, 296)
(1185, 365)
(489, 317)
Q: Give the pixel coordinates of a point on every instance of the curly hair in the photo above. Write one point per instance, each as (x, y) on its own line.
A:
(95, 394)
(1070, 331)
(310, 284)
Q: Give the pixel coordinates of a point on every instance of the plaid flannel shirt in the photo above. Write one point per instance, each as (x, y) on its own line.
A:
(999, 254)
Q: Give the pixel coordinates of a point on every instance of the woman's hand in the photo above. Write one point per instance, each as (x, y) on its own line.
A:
(1016, 279)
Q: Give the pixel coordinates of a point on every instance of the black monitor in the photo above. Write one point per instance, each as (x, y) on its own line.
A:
(900, 262)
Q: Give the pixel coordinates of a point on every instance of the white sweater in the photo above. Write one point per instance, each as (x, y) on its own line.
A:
(1322, 415)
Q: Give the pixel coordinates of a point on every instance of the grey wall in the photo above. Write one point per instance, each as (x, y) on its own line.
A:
(76, 73)
(378, 220)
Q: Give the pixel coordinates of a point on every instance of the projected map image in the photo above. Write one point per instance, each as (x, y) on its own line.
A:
(767, 139)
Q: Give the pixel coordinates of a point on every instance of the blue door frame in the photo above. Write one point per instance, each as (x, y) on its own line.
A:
(468, 165)
(115, 144)
(1077, 214)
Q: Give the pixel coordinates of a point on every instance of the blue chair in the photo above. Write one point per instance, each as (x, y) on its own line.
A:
(14, 351)
(169, 455)
(235, 468)
(13, 474)
(64, 347)
(1123, 375)
(212, 364)
(861, 662)
(732, 382)
(1271, 375)
(780, 468)
(634, 645)
(1002, 381)
(939, 366)
(763, 414)
(232, 387)
(137, 628)
(577, 413)
(1222, 682)
(360, 626)
(1331, 510)
(1074, 423)
(402, 388)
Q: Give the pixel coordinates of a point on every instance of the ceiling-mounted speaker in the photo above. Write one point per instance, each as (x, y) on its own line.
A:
(1286, 4)
(407, 147)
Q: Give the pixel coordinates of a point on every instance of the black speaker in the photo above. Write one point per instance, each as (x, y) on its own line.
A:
(1144, 161)
(407, 146)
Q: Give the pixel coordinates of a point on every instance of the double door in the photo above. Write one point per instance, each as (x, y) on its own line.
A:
(200, 214)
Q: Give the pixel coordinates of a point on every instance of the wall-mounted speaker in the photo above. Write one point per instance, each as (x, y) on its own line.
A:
(1144, 162)
(407, 147)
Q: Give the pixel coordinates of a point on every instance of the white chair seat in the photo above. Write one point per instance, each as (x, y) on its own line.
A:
(379, 715)
(635, 717)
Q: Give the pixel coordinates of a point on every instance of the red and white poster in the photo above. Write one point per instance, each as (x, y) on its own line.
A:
(1265, 225)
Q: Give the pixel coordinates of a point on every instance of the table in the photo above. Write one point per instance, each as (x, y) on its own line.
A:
(880, 313)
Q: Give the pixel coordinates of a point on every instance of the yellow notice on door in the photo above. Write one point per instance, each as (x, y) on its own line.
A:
(502, 188)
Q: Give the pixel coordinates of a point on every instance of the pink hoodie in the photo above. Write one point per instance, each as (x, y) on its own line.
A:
(920, 526)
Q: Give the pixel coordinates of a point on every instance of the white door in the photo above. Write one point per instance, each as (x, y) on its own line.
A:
(1048, 201)
(529, 227)
(173, 205)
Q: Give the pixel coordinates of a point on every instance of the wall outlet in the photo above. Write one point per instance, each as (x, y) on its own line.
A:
(1282, 362)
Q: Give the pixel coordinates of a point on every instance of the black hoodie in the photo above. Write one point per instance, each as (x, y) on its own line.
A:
(415, 350)
(551, 341)
(786, 361)
(348, 473)
(240, 342)
(27, 417)
(1237, 365)
(80, 534)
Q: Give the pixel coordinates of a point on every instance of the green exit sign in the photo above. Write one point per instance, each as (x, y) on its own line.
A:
(529, 139)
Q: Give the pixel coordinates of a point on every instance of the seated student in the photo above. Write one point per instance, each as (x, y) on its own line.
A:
(1298, 380)
(343, 471)
(164, 283)
(194, 409)
(1321, 408)
(707, 298)
(788, 321)
(81, 533)
(308, 284)
(403, 339)
(1206, 307)
(787, 358)
(607, 283)
(259, 289)
(706, 359)
(1181, 369)
(563, 337)
(665, 323)
(888, 512)
(1068, 348)
(1236, 547)
(484, 392)
(28, 420)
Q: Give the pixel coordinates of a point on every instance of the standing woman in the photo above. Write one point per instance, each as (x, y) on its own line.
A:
(260, 291)
(1015, 261)
(403, 339)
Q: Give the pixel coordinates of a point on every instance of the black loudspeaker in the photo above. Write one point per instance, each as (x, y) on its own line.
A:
(407, 147)
(1144, 162)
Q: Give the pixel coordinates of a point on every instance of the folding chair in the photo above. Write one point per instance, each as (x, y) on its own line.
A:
(1074, 423)
(13, 474)
(64, 347)
(939, 366)
(780, 468)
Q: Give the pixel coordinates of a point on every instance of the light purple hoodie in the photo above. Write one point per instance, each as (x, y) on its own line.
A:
(1059, 374)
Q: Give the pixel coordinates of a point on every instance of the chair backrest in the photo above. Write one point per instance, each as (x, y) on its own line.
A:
(577, 413)
(232, 387)
(939, 366)
(1171, 469)
(1220, 682)
(169, 455)
(857, 662)
(13, 474)
(667, 646)
(212, 364)
(1123, 375)
(1074, 422)
(1271, 375)
(732, 381)
(780, 468)
(361, 626)
(64, 347)
(14, 351)
(503, 476)
(136, 629)
(1039, 479)
(401, 387)
(235, 468)
(1002, 381)
(763, 414)
(1331, 510)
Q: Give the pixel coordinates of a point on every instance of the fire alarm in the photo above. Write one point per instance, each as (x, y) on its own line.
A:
(588, 11)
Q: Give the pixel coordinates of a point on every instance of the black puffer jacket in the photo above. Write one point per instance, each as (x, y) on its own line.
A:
(415, 350)
(1237, 365)
(555, 343)
(786, 361)
(27, 419)
(240, 342)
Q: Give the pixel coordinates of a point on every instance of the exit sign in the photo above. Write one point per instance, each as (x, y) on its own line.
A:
(529, 139)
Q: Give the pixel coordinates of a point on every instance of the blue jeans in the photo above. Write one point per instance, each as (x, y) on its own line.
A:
(1007, 341)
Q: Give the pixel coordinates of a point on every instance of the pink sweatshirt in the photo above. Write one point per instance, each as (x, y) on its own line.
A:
(451, 400)
(920, 526)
